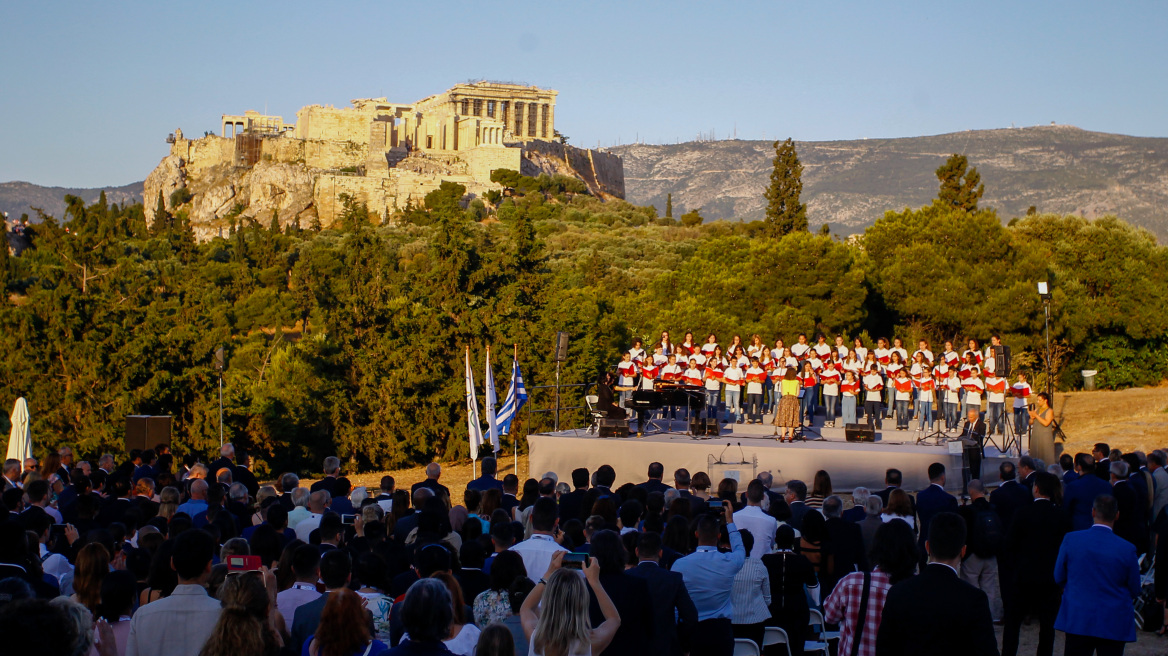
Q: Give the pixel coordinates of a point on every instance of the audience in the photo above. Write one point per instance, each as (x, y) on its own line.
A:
(147, 553)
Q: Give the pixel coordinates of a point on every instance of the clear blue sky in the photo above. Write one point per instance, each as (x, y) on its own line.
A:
(89, 90)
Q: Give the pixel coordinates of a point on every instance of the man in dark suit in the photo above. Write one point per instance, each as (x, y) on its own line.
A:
(118, 502)
(1080, 493)
(936, 612)
(846, 542)
(433, 472)
(670, 598)
(1131, 524)
(242, 474)
(605, 477)
(856, 513)
(65, 471)
(487, 480)
(974, 432)
(288, 482)
(654, 484)
(932, 501)
(1101, 578)
(796, 498)
(1033, 539)
(332, 469)
(893, 479)
(1026, 470)
(226, 459)
(335, 570)
(570, 503)
(407, 523)
(1010, 495)
(1102, 454)
(629, 594)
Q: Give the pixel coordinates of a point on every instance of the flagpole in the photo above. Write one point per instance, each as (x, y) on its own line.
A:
(515, 440)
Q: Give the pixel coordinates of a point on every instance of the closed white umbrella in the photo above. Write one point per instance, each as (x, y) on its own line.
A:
(20, 441)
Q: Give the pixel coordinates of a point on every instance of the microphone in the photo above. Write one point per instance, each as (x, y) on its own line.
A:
(720, 461)
(741, 453)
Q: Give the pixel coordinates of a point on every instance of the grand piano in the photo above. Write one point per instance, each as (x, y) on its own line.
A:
(666, 394)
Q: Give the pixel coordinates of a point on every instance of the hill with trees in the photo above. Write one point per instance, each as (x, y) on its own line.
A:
(351, 340)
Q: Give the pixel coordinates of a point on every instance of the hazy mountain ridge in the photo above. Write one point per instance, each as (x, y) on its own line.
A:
(18, 198)
(849, 184)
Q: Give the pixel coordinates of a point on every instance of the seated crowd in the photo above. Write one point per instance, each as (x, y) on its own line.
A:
(145, 558)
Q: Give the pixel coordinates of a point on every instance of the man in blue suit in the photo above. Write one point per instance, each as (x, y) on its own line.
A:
(1081, 492)
(674, 613)
(1101, 578)
(932, 501)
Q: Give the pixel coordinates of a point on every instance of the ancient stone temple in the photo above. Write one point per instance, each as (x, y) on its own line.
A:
(382, 153)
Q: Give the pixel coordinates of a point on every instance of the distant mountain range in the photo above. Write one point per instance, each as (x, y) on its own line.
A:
(850, 184)
(18, 198)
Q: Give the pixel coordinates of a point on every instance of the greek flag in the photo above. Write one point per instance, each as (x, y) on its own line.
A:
(473, 428)
(516, 397)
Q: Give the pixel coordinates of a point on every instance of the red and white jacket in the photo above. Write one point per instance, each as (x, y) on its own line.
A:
(628, 373)
(1020, 391)
(997, 389)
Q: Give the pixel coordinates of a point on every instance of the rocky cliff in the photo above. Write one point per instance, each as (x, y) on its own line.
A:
(849, 184)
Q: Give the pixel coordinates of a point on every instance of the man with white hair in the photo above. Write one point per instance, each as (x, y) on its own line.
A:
(856, 513)
(299, 506)
(289, 482)
(433, 472)
(318, 503)
(332, 469)
(11, 474)
(65, 471)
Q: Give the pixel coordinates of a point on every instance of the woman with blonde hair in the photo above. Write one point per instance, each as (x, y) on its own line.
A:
(168, 502)
(559, 625)
(246, 623)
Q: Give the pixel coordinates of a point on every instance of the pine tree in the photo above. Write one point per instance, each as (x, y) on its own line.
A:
(669, 206)
(785, 213)
(961, 185)
(274, 226)
(161, 218)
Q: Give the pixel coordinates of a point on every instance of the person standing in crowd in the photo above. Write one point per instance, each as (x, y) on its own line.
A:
(538, 550)
(180, 623)
(787, 417)
(1080, 494)
(791, 575)
(932, 501)
(750, 585)
(674, 615)
(894, 553)
(1100, 577)
(487, 480)
(1034, 537)
(936, 612)
(561, 627)
(709, 578)
(754, 519)
(986, 537)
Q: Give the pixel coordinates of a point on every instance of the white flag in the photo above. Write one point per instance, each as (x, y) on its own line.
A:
(492, 424)
(473, 428)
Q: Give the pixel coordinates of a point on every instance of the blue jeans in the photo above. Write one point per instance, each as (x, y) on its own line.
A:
(830, 404)
(902, 413)
(966, 407)
(952, 417)
(873, 413)
(997, 418)
(890, 398)
(1021, 420)
(769, 398)
(849, 406)
(712, 398)
(754, 407)
(925, 414)
(733, 404)
(625, 397)
(807, 405)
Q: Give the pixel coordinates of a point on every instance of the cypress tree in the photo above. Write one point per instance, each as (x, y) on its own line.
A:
(785, 213)
(961, 185)
(669, 206)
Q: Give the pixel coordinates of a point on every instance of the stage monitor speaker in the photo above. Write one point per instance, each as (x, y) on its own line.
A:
(145, 431)
(1002, 360)
(859, 433)
(614, 427)
(704, 426)
(561, 346)
(713, 427)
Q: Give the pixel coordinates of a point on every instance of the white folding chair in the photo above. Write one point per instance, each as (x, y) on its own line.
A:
(591, 400)
(824, 634)
(815, 622)
(746, 647)
(774, 635)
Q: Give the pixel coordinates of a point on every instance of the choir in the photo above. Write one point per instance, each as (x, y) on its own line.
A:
(743, 382)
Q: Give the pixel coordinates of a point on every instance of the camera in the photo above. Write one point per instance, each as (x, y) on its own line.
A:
(577, 560)
(348, 520)
(714, 507)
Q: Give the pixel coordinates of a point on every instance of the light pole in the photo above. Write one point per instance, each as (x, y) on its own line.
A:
(1044, 293)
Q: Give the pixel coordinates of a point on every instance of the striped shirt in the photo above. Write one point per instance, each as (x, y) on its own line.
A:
(752, 584)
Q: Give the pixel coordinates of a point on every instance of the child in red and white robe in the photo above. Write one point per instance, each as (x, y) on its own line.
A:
(712, 378)
(903, 388)
(830, 379)
(974, 388)
(732, 378)
(926, 393)
(995, 402)
(1021, 392)
(849, 391)
(755, 379)
(626, 377)
(671, 373)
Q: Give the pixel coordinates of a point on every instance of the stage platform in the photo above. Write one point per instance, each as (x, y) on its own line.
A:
(753, 450)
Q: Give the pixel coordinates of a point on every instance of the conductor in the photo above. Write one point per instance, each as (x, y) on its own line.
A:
(973, 435)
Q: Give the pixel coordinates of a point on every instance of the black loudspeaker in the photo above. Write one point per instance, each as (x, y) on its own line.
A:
(561, 346)
(145, 432)
(704, 426)
(613, 427)
(859, 433)
(1002, 360)
(713, 427)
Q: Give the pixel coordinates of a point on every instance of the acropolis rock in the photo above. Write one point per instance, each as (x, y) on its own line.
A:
(381, 153)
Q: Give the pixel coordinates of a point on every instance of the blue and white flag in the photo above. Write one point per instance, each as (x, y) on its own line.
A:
(473, 428)
(492, 425)
(516, 397)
